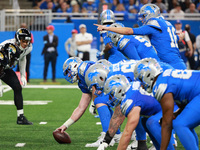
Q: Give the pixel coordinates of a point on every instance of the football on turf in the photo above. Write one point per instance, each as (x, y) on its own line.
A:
(62, 138)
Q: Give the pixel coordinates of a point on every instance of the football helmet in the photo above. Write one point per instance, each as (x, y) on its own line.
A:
(22, 34)
(116, 86)
(115, 37)
(145, 71)
(96, 75)
(70, 69)
(11, 54)
(107, 17)
(104, 62)
(147, 12)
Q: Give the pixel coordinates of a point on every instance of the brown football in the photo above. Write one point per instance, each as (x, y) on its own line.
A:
(62, 138)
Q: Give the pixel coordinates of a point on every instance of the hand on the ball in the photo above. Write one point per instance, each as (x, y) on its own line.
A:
(62, 128)
(100, 27)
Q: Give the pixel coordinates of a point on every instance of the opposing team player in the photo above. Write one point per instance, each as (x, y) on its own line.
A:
(74, 70)
(168, 86)
(160, 32)
(107, 18)
(22, 41)
(134, 103)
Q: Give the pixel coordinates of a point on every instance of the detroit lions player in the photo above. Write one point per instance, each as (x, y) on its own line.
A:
(134, 103)
(22, 41)
(107, 18)
(74, 70)
(95, 79)
(171, 85)
(161, 34)
(133, 47)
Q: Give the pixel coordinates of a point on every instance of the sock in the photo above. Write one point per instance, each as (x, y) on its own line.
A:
(142, 145)
(19, 112)
(105, 116)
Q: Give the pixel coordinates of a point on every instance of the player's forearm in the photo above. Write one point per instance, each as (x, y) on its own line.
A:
(22, 66)
(116, 120)
(166, 134)
(120, 30)
(84, 42)
(107, 47)
(190, 46)
(124, 141)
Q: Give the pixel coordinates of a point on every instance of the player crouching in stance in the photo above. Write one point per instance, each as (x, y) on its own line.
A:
(134, 102)
(9, 56)
(74, 70)
(168, 86)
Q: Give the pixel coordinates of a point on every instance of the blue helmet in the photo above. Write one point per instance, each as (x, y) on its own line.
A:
(145, 71)
(116, 87)
(147, 12)
(107, 17)
(70, 69)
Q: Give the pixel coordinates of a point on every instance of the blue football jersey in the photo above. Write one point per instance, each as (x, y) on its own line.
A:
(162, 36)
(115, 55)
(124, 68)
(136, 96)
(182, 83)
(136, 47)
(83, 67)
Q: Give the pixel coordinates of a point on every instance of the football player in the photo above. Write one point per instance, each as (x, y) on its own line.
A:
(22, 42)
(74, 70)
(161, 33)
(134, 102)
(107, 18)
(133, 47)
(168, 86)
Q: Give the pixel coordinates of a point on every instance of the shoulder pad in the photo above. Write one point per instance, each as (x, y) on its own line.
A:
(125, 106)
(154, 23)
(123, 42)
(159, 91)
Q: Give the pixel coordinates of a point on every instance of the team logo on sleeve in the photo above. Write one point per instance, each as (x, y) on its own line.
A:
(1, 56)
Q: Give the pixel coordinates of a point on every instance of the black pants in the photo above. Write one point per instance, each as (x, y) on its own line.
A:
(10, 78)
(50, 57)
(86, 55)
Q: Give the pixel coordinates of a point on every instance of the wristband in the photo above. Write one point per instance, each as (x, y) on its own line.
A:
(69, 122)
(107, 139)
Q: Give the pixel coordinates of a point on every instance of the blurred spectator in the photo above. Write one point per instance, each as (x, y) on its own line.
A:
(163, 8)
(75, 6)
(50, 6)
(177, 12)
(83, 42)
(191, 9)
(50, 52)
(65, 8)
(132, 8)
(114, 5)
(184, 51)
(90, 6)
(120, 9)
(70, 44)
(192, 61)
(197, 3)
(43, 4)
(58, 5)
(143, 2)
(198, 47)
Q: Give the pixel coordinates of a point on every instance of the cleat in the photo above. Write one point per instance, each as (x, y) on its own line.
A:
(117, 137)
(132, 146)
(21, 120)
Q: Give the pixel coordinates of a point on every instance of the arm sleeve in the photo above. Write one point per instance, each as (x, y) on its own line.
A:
(22, 66)
(143, 30)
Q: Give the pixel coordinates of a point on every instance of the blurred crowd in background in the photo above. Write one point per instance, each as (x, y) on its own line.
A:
(118, 6)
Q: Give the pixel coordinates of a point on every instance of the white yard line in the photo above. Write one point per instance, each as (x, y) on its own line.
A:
(20, 144)
(48, 86)
(26, 102)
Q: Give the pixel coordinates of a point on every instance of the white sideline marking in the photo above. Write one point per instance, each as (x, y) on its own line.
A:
(43, 123)
(48, 86)
(98, 123)
(29, 102)
(7, 89)
(20, 144)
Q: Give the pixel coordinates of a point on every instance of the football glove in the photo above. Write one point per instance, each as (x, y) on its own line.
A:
(102, 146)
(92, 109)
(23, 80)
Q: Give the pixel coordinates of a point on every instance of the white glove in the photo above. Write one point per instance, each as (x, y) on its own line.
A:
(102, 146)
(92, 108)
(23, 80)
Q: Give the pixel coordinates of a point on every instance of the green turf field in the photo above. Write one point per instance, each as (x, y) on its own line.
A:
(55, 113)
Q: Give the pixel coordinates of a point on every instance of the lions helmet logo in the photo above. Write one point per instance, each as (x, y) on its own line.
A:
(113, 83)
(92, 74)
